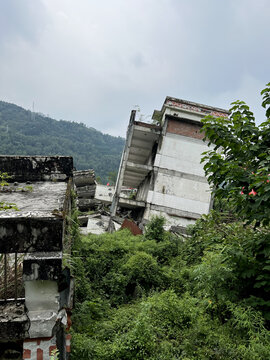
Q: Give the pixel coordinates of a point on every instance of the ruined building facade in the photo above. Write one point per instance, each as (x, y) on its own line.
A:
(162, 161)
(36, 289)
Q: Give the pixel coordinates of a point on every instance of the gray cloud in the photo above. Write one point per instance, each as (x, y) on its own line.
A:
(21, 19)
(93, 61)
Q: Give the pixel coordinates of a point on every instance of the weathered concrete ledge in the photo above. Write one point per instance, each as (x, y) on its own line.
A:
(37, 168)
(38, 224)
(36, 199)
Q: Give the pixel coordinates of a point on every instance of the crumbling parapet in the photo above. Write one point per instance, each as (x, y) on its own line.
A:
(36, 230)
(85, 185)
(37, 168)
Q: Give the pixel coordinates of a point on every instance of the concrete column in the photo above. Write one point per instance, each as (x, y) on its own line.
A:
(123, 163)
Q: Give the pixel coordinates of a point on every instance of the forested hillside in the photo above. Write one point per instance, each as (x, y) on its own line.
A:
(25, 133)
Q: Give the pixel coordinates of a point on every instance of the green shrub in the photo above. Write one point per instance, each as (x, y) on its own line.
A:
(154, 229)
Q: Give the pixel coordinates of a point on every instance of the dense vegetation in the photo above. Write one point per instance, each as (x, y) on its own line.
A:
(200, 297)
(203, 297)
(25, 133)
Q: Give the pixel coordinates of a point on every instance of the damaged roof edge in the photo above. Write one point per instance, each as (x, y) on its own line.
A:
(189, 106)
(192, 103)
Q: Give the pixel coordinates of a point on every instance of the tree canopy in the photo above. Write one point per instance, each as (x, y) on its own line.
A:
(238, 164)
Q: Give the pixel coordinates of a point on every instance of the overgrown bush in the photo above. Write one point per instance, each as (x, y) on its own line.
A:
(173, 298)
(155, 228)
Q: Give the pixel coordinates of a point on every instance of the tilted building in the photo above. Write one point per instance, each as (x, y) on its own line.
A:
(162, 161)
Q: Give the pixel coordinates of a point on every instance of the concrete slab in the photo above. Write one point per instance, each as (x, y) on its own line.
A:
(38, 224)
(38, 199)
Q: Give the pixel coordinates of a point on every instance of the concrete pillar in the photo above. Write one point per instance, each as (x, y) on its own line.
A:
(123, 163)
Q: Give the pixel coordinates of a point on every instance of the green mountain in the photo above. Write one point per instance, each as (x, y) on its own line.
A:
(25, 133)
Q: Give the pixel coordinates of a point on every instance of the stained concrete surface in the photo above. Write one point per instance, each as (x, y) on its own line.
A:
(38, 223)
(14, 322)
(36, 199)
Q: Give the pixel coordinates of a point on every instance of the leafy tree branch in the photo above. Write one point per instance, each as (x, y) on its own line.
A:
(238, 164)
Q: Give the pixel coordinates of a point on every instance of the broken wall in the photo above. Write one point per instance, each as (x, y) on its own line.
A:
(40, 187)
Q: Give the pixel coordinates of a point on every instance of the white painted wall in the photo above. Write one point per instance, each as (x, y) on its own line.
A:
(179, 203)
(41, 295)
(189, 191)
(170, 220)
(181, 153)
(182, 187)
(42, 344)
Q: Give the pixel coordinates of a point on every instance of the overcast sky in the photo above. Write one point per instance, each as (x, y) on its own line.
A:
(92, 61)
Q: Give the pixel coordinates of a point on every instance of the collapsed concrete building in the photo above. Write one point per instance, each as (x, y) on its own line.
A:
(36, 291)
(162, 161)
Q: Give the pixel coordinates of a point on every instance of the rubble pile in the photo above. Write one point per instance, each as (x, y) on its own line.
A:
(94, 202)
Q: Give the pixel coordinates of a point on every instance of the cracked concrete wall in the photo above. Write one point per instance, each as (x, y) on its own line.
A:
(104, 193)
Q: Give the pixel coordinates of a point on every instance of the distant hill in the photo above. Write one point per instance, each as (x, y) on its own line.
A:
(25, 133)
